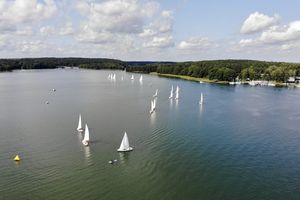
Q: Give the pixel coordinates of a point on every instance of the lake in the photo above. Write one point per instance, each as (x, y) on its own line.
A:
(242, 143)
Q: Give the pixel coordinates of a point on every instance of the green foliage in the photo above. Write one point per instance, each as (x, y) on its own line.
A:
(50, 63)
(220, 70)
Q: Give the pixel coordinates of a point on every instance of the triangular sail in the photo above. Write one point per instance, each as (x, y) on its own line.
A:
(79, 123)
(86, 134)
(125, 143)
(132, 77)
(141, 78)
(152, 107)
(171, 93)
(156, 93)
(177, 93)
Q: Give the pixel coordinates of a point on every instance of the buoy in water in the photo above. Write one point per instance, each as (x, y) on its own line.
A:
(17, 158)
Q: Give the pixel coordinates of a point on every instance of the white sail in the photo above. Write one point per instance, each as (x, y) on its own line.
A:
(177, 93)
(201, 99)
(154, 104)
(132, 77)
(156, 93)
(152, 107)
(125, 144)
(171, 93)
(86, 138)
(141, 78)
(79, 127)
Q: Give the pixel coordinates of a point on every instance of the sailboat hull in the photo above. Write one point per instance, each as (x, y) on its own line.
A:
(125, 150)
(80, 130)
(85, 143)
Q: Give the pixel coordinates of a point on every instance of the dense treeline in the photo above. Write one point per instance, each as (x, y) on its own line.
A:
(228, 70)
(50, 63)
(220, 70)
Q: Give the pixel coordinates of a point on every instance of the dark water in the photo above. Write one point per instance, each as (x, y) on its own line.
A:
(243, 143)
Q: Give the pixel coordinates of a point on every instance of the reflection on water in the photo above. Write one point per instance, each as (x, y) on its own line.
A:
(200, 109)
(87, 153)
(171, 103)
(153, 118)
(124, 157)
(176, 104)
(80, 137)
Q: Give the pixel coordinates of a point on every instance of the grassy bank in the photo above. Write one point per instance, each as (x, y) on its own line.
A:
(190, 78)
(206, 80)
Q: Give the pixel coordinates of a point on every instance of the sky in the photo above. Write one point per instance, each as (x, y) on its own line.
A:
(156, 30)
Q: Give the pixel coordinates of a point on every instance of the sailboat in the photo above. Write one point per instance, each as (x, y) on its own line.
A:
(171, 93)
(201, 99)
(141, 78)
(177, 93)
(86, 138)
(79, 127)
(132, 77)
(125, 144)
(153, 106)
(156, 93)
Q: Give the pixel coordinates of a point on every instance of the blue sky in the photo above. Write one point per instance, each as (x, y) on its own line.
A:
(174, 30)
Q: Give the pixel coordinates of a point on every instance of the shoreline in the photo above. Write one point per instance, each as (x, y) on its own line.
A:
(206, 80)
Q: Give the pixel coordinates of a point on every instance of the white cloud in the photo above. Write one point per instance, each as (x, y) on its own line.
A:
(47, 30)
(26, 31)
(19, 11)
(116, 16)
(67, 29)
(258, 22)
(194, 43)
(162, 25)
(143, 23)
(276, 35)
(31, 46)
(160, 42)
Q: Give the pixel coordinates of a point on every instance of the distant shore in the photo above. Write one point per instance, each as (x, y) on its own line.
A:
(206, 80)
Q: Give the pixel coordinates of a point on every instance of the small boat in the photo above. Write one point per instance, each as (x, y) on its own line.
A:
(132, 77)
(79, 127)
(125, 144)
(47, 102)
(141, 78)
(171, 93)
(86, 138)
(53, 89)
(201, 99)
(17, 158)
(156, 93)
(177, 93)
(153, 106)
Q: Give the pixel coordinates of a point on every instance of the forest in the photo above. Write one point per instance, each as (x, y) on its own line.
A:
(220, 70)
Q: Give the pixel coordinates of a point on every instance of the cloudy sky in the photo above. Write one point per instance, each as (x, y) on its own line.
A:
(169, 30)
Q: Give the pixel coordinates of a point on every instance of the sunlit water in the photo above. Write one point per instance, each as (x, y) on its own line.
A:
(243, 143)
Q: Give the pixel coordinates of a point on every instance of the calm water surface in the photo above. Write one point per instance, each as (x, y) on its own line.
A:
(243, 143)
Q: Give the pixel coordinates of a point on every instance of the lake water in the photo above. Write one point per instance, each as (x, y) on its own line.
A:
(243, 143)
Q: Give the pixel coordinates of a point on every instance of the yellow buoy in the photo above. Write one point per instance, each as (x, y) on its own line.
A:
(17, 158)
